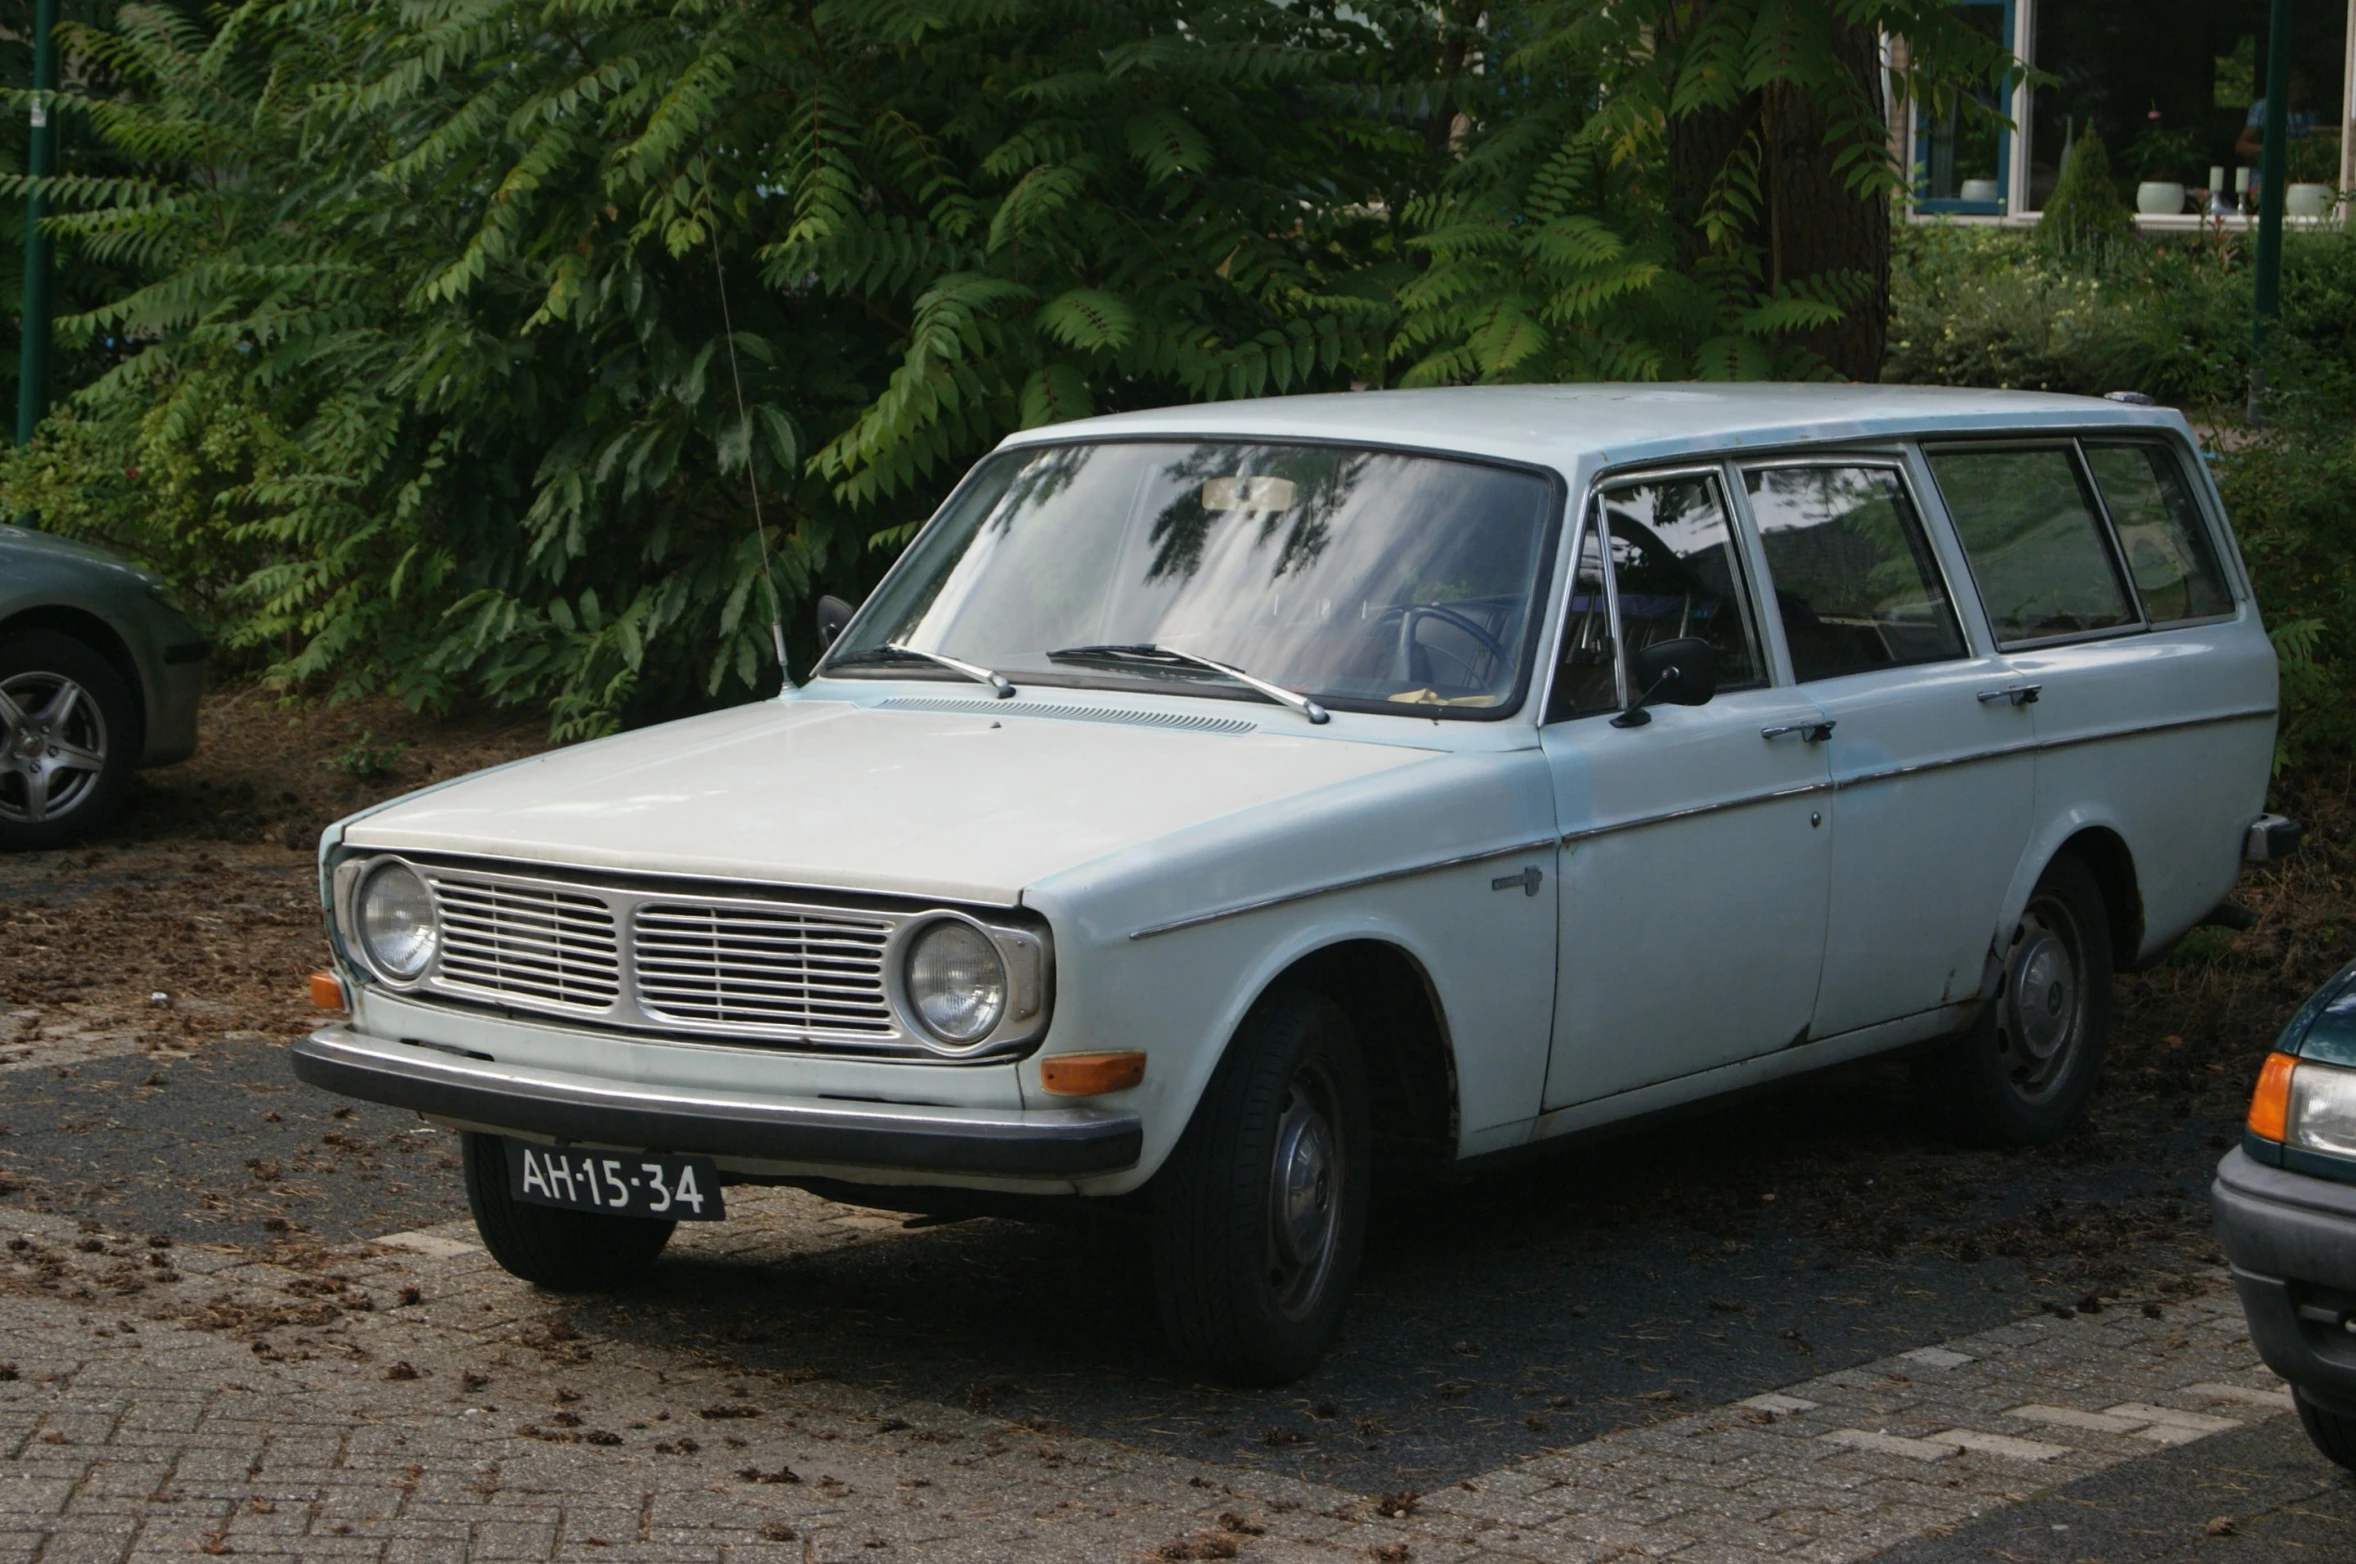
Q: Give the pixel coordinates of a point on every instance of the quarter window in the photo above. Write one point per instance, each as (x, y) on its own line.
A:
(2035, 544)
(1855, 584)
(1673, 565)
(2160, 531)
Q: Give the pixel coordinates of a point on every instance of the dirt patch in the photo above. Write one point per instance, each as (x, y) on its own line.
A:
(198, 914)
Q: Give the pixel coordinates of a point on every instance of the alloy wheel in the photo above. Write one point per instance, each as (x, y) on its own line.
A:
(53, 746)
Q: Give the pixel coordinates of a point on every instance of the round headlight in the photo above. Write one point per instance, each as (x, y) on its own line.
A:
(956, 981)
(399, 932)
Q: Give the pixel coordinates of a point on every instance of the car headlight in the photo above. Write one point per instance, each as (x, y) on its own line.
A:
(955, 981)
(399, 930)
(2322, 1114)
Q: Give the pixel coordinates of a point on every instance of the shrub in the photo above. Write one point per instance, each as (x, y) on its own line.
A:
(2085, 212)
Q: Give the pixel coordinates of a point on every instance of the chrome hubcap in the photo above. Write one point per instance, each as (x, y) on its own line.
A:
(52, 746)
(2041, 1013)
(1305, 1194)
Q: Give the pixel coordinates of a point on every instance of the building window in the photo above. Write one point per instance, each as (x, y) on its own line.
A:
(2174, 87)
(1963, 159)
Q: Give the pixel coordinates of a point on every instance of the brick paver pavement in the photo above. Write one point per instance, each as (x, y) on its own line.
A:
(410, 1402)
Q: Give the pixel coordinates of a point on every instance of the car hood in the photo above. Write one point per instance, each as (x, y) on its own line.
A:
(962, 806)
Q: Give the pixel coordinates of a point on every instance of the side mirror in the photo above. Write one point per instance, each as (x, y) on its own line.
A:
(833, 614)
(1682, 672)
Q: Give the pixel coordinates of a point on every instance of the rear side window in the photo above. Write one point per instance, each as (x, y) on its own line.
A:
(2167, 545)
(2034, 541)
(1855, 584)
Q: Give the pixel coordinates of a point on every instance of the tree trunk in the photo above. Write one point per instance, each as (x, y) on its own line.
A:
(1809, 222)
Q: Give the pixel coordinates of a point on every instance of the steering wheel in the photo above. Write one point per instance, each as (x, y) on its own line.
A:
(1413, 653)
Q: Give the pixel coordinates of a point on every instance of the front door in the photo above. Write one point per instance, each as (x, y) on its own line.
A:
(1695, 856)
(1932, 745)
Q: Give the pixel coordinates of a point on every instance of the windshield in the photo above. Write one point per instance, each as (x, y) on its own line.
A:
(1367, 580)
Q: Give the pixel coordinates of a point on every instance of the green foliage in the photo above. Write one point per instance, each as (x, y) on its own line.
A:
(2167, 317)
(1555, 250)
(2168, 155)
(2085, 213)
(2313, 159)
(2286, 492)
(433, 384)
(430, 316)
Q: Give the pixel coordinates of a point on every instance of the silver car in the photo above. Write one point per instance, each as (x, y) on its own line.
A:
(99, 675)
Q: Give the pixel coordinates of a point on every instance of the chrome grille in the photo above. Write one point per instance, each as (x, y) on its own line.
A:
(529, 942)
(789, 968)
(754, 967)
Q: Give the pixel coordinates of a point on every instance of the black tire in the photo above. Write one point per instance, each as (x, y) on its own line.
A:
(1252, 1284)
(2023, 1073)
(71, 728)
(2332, 1433)
(564, 1251)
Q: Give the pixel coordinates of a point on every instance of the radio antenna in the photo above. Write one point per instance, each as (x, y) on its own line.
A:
(752, 476)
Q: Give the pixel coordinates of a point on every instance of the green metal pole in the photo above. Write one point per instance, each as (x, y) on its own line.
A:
(2273, 159)
(32, 371)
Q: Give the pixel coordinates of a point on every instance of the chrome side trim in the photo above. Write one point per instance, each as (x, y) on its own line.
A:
(1357, 882)
(1748, 801)
(1915, 768)
(2042, 746)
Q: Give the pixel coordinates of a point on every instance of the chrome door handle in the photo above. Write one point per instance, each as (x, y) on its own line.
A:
(1806, 732)
(2025, 695)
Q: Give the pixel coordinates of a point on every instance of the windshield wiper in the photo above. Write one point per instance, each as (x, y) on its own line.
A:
(1170, 654)
(974, 671)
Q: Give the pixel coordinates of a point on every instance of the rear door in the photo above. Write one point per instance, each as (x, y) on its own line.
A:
(1694, 861)
(2155, 707)
(1931, 742)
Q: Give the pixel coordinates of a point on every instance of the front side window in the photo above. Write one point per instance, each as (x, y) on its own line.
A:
(1855, 584)
(2034, 541)
(1674, 566)
(2160, 531)
(1367, 579)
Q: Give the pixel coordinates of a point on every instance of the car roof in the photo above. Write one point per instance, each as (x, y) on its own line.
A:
(1573, 426)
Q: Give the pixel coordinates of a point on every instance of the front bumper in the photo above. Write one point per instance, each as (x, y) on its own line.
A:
(835, 1136)
(2292, 1241)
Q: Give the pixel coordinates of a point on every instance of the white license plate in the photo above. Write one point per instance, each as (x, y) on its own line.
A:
(677, 1189)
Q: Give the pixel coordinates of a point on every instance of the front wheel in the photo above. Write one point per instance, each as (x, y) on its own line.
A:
(2332, 1433)
(564, 1251)
(2024, 1071)
(69, 736)
(1260, 1215)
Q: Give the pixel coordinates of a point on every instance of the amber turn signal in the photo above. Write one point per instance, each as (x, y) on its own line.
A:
(2270, 1106)
(327, 991)
(1090, 1075)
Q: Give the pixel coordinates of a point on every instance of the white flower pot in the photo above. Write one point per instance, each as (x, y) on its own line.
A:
(2159, 198)
(2304, 200)
(1978, 190)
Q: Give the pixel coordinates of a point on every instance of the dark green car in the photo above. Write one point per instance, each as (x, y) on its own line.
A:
(99, 675)
(2285, 1203)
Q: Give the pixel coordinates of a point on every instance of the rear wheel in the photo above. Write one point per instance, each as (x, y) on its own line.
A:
(2332, 1433)
(565, 1251)
(69, 738)
(1260, 1215)
(2025, 1070)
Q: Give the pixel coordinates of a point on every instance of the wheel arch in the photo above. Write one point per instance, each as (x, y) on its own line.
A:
(1402, 1027)
(102, 638)
(2107, 857)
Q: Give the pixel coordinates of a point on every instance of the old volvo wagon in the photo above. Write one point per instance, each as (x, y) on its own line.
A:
(1214, 801)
